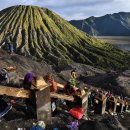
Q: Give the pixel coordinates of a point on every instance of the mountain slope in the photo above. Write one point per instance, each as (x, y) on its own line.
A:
(24, 64)
(117, 24)
(41, 33)
(118, 83)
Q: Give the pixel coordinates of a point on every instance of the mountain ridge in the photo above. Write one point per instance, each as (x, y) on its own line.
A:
(41, 33)
(117, 24)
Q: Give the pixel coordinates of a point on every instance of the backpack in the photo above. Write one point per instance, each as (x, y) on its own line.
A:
(3, 74)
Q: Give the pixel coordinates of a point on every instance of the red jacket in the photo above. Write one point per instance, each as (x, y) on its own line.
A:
(54, 86)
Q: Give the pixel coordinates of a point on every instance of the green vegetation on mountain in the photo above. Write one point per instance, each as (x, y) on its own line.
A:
(117, 24)
(41, 33)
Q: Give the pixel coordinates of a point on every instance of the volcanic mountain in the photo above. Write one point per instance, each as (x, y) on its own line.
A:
(41, 33)
(117, 24)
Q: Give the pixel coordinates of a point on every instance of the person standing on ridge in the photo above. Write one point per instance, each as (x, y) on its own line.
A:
(8, 42)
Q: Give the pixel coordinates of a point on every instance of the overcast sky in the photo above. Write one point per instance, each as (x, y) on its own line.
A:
(75, 9)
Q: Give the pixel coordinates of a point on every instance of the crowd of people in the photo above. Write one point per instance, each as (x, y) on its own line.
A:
(71, 88)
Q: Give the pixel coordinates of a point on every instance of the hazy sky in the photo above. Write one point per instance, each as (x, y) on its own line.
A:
(75, 9)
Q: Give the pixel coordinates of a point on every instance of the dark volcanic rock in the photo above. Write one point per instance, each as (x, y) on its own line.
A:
(103, 123)
(24, 64)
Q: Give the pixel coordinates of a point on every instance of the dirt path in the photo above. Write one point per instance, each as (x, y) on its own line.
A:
(126, 121)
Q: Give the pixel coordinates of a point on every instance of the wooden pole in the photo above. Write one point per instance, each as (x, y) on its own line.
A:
(85, 103)
(104, 105)
(114, 101)
(14, 92)
(62, 96)
(43, 104)
(115, 106)
(101, 103)
(120, 105)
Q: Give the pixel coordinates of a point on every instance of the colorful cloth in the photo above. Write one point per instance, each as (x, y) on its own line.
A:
(28, 80)
(28, 77)
(73, 125)
(73, 82)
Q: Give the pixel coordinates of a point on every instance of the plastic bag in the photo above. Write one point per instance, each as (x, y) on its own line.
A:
(77, 112)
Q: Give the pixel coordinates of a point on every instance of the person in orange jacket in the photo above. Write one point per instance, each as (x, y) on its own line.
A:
(50, 79)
